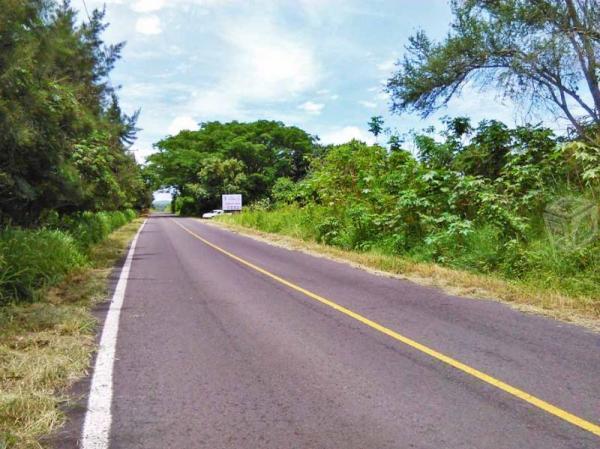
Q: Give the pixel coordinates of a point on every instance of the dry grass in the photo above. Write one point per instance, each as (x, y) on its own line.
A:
(47, 345)
(527, 298)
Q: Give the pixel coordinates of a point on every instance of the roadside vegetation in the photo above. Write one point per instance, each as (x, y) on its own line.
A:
(45, 346)
(200, 166)
(515, 205)
(33, 259)
(67, 177)
(69, 190)
(477, 201)
(64, 140)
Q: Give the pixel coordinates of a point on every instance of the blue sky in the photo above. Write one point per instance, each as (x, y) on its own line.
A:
(317, 64)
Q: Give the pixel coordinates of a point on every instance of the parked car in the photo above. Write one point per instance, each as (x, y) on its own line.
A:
(213, 213)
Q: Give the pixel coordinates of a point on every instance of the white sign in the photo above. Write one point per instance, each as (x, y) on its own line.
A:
(232, 202)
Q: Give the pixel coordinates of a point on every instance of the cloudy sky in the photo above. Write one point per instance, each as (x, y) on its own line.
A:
(317, 64)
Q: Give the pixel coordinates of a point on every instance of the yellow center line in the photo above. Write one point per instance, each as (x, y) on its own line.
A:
(543, 405)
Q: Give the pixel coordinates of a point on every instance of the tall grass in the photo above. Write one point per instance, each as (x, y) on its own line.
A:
(46, 345)
(30, 260)
(33, 259)
(536, 261)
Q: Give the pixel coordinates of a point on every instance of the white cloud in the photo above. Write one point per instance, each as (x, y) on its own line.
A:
(368, 104)
(274, 62)
(147, 5)
(346, 134)
(263, 63)
(148, 25)
(388, 65)
(473, 102)
(311, 107)
(327, 94)
(182, 122)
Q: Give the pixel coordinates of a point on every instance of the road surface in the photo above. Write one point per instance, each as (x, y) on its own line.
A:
(214, 353)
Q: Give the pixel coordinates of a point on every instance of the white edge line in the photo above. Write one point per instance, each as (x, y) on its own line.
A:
(96, 427)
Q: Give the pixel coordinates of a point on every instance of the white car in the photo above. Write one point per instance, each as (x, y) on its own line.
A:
(214, 213)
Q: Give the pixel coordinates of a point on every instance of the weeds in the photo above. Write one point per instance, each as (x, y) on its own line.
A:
(530, 218)
(561, 283)
(46, 345)
(31, 260)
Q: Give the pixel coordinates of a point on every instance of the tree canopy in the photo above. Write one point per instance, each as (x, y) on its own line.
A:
(543, 53)
(63, 136)
(233, 157)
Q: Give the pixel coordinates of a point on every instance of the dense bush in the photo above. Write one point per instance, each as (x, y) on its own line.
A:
(89, 228)
(33, 259)
(473, 200)
(30, 260)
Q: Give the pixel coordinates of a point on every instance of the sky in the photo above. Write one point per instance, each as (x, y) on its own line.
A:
(317, 64)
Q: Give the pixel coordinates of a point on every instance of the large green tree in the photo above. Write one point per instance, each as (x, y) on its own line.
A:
(231, 157)
(545, 53)
(63, 137)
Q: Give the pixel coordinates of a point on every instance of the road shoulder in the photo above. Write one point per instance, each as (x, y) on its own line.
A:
(454, 282)
(46, 383)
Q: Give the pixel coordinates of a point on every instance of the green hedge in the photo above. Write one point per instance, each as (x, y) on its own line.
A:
(32, 259)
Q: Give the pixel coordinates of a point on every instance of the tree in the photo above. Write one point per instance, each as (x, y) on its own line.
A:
(395, 142)
(234, 157)
(540, 51)
(63, 137)
(487, 152)
(376, 125)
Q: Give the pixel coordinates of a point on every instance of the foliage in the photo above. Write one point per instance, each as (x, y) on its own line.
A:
(472, 198)
(540, 52)
(233, 157)
(33, 259)
(376, 125)
(63, 136)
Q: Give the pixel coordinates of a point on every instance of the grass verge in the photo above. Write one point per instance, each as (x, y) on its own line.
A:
(520, 295)
(46, 346)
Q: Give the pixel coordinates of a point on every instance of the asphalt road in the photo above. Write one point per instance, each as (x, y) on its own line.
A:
(214, 354)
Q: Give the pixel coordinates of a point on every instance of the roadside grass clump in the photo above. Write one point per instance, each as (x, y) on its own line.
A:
(89, 228)
(530, 294)
(31, 260)
(302, 223)
(46, 345)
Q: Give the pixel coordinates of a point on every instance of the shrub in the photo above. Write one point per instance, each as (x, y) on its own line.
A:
(31, 260)
(130, 214)
(89, 228)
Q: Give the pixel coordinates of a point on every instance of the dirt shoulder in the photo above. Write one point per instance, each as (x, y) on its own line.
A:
(454, 282)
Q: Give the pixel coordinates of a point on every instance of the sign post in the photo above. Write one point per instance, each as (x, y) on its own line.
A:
(232, 202)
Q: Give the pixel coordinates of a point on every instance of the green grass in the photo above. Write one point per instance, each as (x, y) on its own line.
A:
(46, 345)
(565, 281)
(33, 259)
